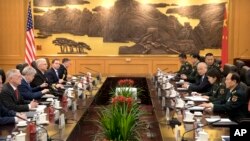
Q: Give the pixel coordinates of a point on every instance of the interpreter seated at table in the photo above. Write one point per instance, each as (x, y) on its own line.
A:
(235, 104)
(218, 91)
(202, 85)
(10, 96)
(26, 90)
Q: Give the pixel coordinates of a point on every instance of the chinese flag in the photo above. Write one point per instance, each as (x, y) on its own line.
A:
(224, 48)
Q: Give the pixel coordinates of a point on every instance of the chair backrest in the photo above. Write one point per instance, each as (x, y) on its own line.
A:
(21, 66)
(229, 68)
(2, 73)
(239, 64)
(245, 75)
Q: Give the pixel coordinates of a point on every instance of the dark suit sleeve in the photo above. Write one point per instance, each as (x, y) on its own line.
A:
(6, 116)
(9, 103)
(36, 89)
(204, 86)
(6, 120)
(51, 78)
(27, 93)
(37, 81)
(6, 112)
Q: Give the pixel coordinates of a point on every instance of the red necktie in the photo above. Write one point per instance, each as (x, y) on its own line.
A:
(249, 106)
(16, 93)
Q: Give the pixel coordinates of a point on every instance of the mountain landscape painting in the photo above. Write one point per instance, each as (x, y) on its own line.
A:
(125, 27)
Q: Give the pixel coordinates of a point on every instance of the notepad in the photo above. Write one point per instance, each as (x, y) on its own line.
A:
(196, 98)
(198, 108)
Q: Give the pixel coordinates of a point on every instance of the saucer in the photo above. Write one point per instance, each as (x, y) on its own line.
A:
(188, 121)
(58, 108)
(21, 125)
(198, 114)
(44, 122)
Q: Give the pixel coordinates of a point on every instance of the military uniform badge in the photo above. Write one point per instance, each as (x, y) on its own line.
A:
(234, 98)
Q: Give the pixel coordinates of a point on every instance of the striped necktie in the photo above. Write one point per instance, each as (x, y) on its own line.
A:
(16, 94)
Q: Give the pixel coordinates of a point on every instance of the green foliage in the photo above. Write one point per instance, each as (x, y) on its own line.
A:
(120, 122)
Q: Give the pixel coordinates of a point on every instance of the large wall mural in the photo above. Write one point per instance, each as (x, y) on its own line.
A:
(120, 27)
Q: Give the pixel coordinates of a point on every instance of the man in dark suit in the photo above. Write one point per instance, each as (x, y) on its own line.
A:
(8, 116)
(202, 85)
(52, 74)
(26, 90)
(40, 78)
(235, 104)
(62, 71)
(10, 96)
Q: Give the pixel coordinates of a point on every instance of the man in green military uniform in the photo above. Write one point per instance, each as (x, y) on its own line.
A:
(195, 59)
(186, 67)
(210, 60)
(235, 104)
(218, 91)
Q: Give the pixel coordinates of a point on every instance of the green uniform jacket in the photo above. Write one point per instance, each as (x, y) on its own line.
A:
(192, 76)
(235, 104)
(217, 93)
(186, 68)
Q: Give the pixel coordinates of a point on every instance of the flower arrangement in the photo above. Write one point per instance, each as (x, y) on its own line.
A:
(126, 83)
(120, 120)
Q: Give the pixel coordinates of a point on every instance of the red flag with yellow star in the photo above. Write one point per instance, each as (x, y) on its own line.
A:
(224, 48)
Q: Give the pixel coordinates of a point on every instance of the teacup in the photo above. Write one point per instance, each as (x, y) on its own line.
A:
(21, 136)
(42, 118)
(22, 123)
(202, 136)
(190, 102)
(189, 116)
(57, 104)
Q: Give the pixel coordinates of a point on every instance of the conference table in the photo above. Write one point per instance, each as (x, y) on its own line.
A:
(74, 119)
(167, 131)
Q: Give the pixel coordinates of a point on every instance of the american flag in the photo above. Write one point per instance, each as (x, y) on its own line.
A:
(30, 52)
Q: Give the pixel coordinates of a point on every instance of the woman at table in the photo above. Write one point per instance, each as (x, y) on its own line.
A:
(218, 91)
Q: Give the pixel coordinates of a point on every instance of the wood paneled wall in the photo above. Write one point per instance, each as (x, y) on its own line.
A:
(117, 65)
(12, 32)
(12, 43)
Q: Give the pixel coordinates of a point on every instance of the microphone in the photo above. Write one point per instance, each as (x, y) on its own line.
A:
(82, 73)
(182, 139)
(165, 69)
(98, 77)
(91, 69)
(48, 138)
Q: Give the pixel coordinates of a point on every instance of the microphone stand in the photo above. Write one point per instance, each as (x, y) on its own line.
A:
(48, 138)
(99, 74)
(182, 139)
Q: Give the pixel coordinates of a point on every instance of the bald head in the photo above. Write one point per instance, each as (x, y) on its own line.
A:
(202, 68)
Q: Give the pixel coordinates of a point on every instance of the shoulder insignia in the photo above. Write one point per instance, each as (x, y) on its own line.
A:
(234, 98)
(233, 92)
